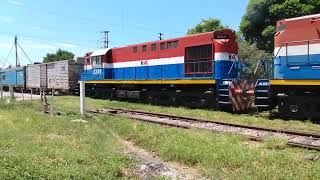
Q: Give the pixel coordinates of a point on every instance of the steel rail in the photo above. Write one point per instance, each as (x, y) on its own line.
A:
(116, 111)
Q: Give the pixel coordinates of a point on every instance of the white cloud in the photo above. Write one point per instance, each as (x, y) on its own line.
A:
(35, 28)
(5, 45)
(46, 46)
(40, 46)
(6, 19)
(66, 45)
(16, 3)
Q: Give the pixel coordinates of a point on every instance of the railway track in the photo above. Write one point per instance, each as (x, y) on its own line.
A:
(293, 138)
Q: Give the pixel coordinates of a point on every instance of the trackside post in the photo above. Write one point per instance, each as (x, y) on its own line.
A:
(82, 98)
(11, 92)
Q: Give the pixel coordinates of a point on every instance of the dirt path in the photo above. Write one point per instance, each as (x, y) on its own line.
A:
(151, 166)
(20, 96)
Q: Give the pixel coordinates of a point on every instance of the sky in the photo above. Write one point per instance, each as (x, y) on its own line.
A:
(75, 25)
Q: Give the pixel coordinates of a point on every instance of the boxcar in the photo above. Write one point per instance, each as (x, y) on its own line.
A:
(36, 77)
(13, 76)
(62, 76)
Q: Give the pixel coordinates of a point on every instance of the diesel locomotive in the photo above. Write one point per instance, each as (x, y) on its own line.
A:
(294, 89)
(188, 70)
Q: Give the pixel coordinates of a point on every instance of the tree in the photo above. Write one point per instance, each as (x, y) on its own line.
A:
(251, 55)
(258, 23)
(58, 56)
(248, 53)
(206, 25)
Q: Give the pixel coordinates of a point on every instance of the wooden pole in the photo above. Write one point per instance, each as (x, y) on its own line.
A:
(82, 98)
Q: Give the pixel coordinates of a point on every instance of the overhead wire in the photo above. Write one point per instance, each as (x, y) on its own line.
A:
(7, 57)
(25, 53)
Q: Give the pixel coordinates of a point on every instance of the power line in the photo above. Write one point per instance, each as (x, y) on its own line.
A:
(88, 20)
(8, 56)
(106, 39)
(25, 54)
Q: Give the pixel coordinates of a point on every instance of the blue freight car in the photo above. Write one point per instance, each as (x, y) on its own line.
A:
(13, 76)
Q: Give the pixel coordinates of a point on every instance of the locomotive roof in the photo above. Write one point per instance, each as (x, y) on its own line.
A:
(12, 68)
(303, 17)
(99, 52)
(171, 39)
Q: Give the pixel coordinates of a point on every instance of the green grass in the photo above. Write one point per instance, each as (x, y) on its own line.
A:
(206, 114)
(219, 156)
(34, 145)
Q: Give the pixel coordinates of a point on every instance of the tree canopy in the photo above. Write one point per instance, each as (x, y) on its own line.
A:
(248, 53)
(259, 20)
(251, 55)
(58, 56)
(206, 25)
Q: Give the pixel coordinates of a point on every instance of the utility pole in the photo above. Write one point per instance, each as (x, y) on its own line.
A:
(16, 47)
(106, 39)
(160, 36)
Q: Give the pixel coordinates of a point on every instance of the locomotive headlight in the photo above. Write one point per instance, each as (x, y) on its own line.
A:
(294, 108)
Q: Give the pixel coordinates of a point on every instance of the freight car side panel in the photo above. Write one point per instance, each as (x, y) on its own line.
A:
(33, 76)
(63, 75)
(74, 73)
(13, 76)
(36, 76)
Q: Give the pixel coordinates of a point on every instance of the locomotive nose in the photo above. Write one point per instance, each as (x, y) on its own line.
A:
(241, 95)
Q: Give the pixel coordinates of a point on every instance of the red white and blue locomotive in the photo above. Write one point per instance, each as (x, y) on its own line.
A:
(203, 71)
(176, 71)
(294, 89)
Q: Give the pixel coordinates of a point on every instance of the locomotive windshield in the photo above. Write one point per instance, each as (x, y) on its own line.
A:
(221, 36)
(281, 27)
(96, 61)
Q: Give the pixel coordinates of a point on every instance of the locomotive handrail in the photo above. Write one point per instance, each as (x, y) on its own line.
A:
(286, 43)
(293, 42)
(231, 67)
(256, 69)
(266, 68)
(194, 72)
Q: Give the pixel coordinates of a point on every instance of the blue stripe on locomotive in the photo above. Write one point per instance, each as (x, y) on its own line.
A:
(297, 67)
(13, 76)
(222, 70)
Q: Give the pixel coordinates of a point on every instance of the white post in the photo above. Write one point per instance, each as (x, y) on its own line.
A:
(11, 92)
(82, 98)
(31, 95)
(22, 94)
(1, 89)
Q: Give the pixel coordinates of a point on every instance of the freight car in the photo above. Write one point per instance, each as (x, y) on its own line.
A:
(36, 77)
(294, 89)
(14, 76)
(191, 70)
(60, 77)
(63, 76)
